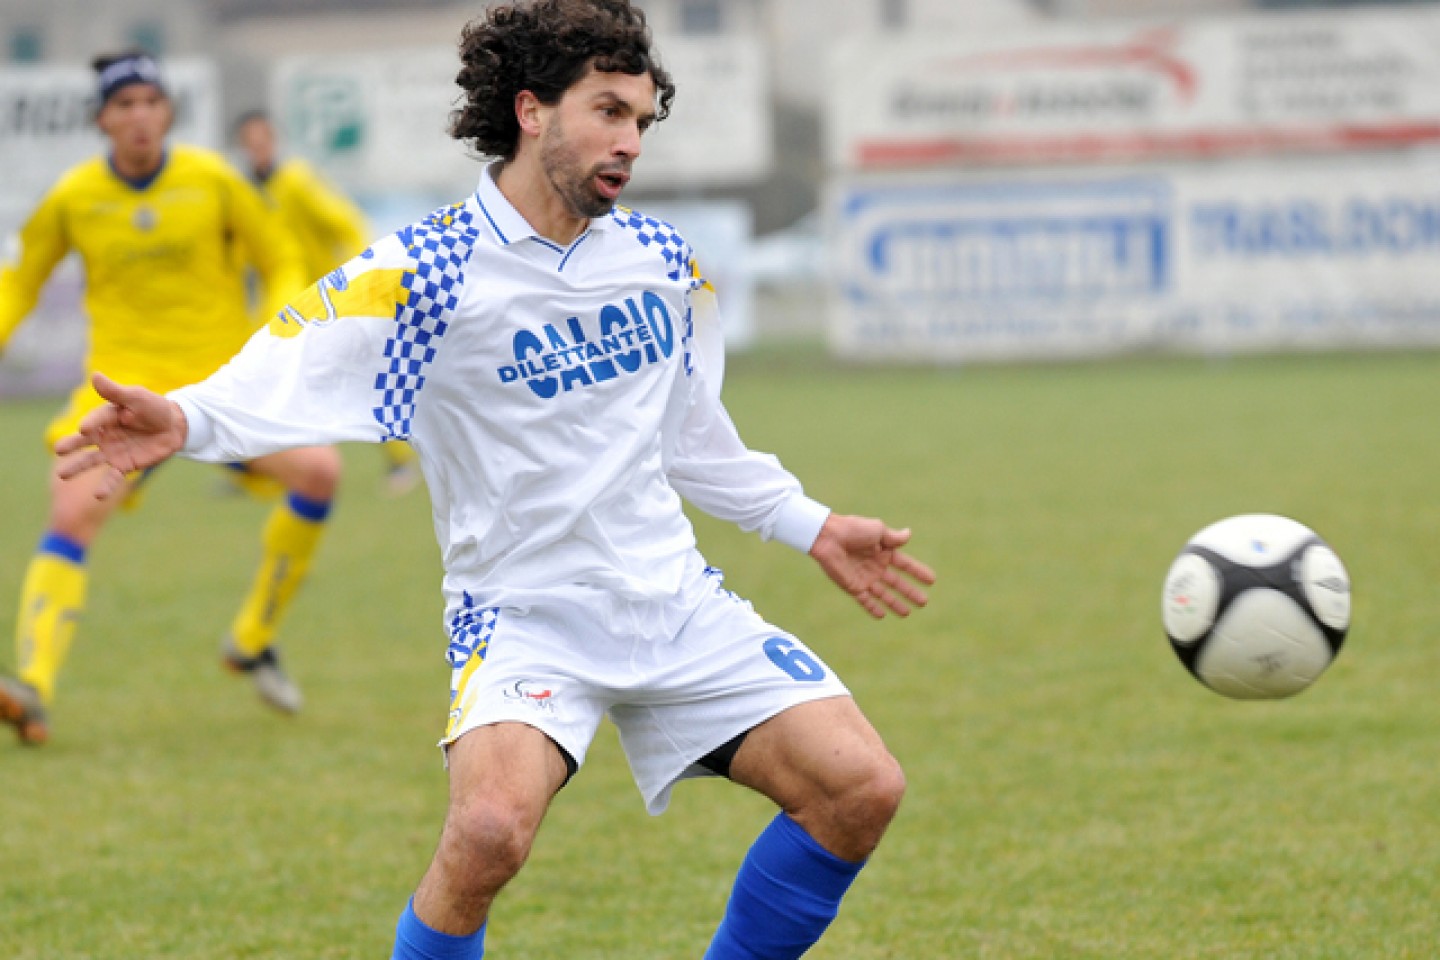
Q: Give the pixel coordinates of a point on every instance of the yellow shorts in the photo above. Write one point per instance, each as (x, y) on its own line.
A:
(83, 400)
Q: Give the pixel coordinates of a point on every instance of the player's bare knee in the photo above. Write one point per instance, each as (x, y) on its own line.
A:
(851, 821)
(853, 812)
(875, 798)
(492, 834)
(319, 475)
(77, 519)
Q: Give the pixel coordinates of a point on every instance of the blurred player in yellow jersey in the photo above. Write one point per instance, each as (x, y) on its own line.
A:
(330, 230)
(154, 226)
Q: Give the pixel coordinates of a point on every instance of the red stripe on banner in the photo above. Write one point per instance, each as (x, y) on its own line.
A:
(1132, 146)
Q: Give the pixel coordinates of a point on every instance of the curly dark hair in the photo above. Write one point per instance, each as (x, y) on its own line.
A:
(544, 46)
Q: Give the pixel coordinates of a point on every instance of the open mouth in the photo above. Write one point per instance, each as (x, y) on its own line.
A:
(611, 182)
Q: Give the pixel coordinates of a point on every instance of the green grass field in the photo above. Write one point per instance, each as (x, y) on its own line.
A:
(1073, 792)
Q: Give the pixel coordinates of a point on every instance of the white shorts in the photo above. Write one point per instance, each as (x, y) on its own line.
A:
(674, 699)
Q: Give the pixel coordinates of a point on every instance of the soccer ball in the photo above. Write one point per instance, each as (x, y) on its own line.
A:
(1256, 606)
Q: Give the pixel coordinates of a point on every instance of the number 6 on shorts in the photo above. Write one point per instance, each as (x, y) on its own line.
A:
(793, 659)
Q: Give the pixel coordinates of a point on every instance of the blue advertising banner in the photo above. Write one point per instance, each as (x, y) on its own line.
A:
(1260, 255)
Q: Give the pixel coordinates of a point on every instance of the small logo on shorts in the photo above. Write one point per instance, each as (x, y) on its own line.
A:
(539, 695)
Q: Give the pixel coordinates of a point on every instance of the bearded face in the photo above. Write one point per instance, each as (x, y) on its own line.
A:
(588, 187)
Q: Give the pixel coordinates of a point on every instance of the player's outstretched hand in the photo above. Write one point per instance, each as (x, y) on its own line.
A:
(863, 556)
(134, 431)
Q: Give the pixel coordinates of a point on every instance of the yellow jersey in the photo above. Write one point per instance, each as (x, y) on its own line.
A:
(166, 304)
(328, 227)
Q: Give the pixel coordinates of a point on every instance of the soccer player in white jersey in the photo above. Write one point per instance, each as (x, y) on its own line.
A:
(553, 359)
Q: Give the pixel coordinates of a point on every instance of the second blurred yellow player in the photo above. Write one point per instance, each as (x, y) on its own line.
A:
(329, 229)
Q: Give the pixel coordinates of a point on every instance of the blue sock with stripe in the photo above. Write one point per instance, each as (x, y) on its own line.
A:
(59, 545)
(415, 940)
(787, 892)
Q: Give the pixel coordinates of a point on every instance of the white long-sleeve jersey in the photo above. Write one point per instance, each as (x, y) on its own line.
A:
(562, 400)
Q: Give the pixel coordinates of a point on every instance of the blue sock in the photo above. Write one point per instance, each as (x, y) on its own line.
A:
(315, 510)
(416, 941)
(61, 546)
(786, 894)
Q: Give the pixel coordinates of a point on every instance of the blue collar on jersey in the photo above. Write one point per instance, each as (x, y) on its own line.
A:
(140, 183)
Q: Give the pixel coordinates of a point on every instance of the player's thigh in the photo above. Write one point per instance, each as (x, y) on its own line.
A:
(311, 472)
(725, 673)
(502, 779)
(823, 759)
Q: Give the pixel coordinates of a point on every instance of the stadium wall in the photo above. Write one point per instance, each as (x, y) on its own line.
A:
(1241, 184)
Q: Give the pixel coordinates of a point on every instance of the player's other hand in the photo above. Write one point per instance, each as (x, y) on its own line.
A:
(136, 430)
(863, 556)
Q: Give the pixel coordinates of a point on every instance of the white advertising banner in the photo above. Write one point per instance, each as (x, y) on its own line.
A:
(1202, 258)
(377, 122)
(1111, 92)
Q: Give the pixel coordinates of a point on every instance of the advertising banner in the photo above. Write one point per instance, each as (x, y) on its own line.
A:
(377, 122)
(1120, 92)
(719, 129)
(1217, 258)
